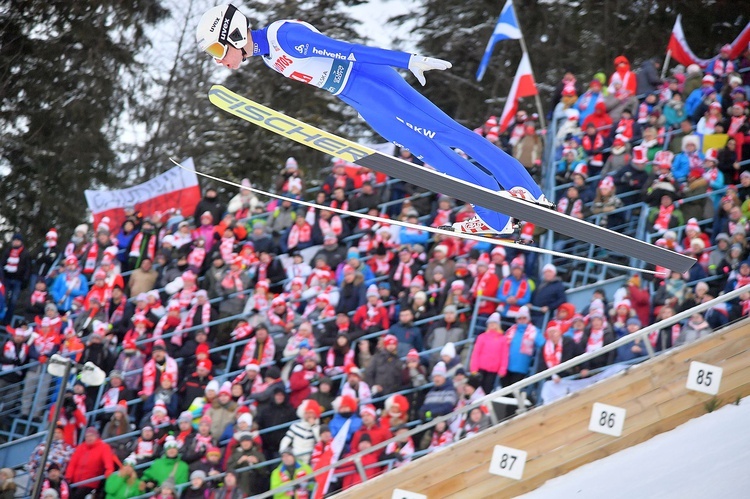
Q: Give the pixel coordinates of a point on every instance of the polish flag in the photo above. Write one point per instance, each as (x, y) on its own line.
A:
(175, 189)
(678, 46)
(523, 86)
(329, 457)
(680, 51)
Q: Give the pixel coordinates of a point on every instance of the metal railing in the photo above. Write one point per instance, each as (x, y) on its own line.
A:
(516, 388)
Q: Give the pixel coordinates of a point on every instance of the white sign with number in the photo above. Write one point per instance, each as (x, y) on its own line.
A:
(704, 378)
(508, 462)
(405, 494)
(607, 419)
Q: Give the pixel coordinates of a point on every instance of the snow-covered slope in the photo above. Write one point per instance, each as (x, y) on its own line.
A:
(706, 457)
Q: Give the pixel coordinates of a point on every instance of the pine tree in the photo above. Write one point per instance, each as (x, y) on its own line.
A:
(62, 66)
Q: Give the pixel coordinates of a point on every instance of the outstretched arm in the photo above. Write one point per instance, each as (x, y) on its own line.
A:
(300, 40)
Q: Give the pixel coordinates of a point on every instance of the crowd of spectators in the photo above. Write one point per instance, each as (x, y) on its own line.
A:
(341, 319)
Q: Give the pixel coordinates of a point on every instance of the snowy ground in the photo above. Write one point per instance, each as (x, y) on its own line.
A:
(704, 458)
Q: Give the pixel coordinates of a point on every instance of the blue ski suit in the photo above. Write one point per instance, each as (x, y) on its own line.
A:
(364, 78)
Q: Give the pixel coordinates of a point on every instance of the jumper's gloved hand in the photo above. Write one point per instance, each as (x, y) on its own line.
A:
(419, 64)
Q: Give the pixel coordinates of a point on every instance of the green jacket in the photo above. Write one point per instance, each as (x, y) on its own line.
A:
(161, 468)
(282, 475)
(115, 487)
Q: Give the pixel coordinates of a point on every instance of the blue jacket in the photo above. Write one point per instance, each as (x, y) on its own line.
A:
(517, 361)
(550, 294)
(408, 337)
(681, 166)
(59, 288)
(514, 285)
(406, 236)
(439, 401)
(693, 101)
(338, 422)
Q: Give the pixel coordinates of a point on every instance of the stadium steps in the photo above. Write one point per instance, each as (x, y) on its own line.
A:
(556, 436)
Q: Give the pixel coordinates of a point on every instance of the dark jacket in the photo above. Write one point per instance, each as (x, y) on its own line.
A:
(439, 401)
(252, 481)
(385, 369)
(213, 206)
(270, 415)
(23, 269)
(409, 336)
(569, 350)
(550, 294)
(648, 78)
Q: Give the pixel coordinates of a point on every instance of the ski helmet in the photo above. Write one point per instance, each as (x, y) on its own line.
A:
(220, 27)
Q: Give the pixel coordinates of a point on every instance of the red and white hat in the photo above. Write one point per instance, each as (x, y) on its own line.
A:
(390, 339)
(253, 366)
(189, 275)
(263, 283)
(417, 282)
(398, 402)
(279, 300)
(71, 260)
(664, 159)
(491, 122)
(712, 155)
(345, 402)
(715, 105)
(493, 134)
(692, 225)
(173, 305)
(160, 406)
(368, 409)
(607, 183)
(498, 250)
(51, 234)
(517, 262)
(226, 388)
(458, 284)
(708, 79)
(639, 155)
(309, 406)
(582, 169)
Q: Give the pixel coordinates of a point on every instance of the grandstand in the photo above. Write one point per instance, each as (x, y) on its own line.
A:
(213, 300)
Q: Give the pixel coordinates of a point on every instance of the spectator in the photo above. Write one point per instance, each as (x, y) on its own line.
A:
(352, 290)
(210, 203)
(199, 488)
(250, 481)
(666, 216)
(636, 348)
(159, 364)
(291, 469)
(598, 334)
(7, 483)
(302, 435)
(674, 111)
(371, 427)
(298, 236)
(524, 340)
(55, 484)
(529, 150)
(277, 412)
(232, 288)
(15, 272)
(695, 329)
(331, 252)
(477, 420)
(588, 101)
(606, 202)
(349, 470)
(221, 411)
(168, 467)
(514, 291)
(16, 352)
(406, 334)
(143, 279)
(489, 358)
(124, 483)
(648, 76)
(446, 330)
(549, 295)
(69, 285)
(304, 378)
(243, 205)
(346, 408)
(59, 453)
(633, 176)
(403, 271)
(441, 399)
(556, 350)
(384, 373)
(91, 459)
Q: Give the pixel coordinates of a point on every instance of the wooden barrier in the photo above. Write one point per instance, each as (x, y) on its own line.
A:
(556, 436)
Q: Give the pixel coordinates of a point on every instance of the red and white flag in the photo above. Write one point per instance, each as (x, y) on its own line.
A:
(678, 46)
(330, 456)
(523, 86)
(172, 190)
(680, 51)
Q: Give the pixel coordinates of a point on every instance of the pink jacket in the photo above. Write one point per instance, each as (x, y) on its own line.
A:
(490, 353)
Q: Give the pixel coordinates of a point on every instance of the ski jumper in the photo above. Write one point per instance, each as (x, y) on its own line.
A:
(364, 78)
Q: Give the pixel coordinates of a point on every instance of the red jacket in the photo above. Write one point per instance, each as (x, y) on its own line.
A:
(352, 478)
(364, 321)
(90, 461)
(299, 383)
(378, 433)
(487, 288)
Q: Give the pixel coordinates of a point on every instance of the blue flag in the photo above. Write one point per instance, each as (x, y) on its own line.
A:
(506, 29)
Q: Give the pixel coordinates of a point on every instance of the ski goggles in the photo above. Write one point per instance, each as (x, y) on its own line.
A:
(217, 50)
